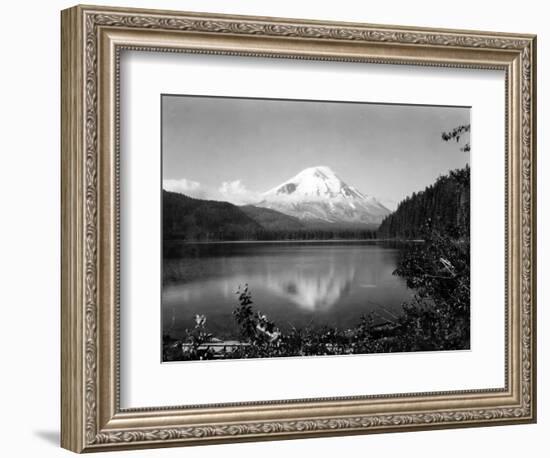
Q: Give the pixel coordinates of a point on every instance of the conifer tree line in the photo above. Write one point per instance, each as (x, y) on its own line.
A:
(443, 207)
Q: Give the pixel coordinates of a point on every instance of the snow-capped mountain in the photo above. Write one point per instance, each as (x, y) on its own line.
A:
(318, 194)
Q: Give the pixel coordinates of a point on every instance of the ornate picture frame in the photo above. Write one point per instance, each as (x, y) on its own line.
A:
(92, 41)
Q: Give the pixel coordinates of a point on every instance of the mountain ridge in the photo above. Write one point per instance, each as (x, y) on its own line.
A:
(187, 219)
(272, 220)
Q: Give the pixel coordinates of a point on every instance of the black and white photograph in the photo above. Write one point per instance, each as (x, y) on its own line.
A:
(298, 228)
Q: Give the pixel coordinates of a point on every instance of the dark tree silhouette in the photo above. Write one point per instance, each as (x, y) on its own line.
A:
(443, 207)
(456, 135)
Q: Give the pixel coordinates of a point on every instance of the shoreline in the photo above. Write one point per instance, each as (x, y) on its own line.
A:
(224, 242)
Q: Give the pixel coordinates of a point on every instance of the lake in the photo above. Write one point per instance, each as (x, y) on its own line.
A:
(293, 283)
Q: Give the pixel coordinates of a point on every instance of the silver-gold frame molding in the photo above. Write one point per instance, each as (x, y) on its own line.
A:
(92, 39)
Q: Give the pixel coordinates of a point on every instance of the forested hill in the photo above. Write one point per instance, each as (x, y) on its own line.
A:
(196, 220)
(443, 206)
(186, 218)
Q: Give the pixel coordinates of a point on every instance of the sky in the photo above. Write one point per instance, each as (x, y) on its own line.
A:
(234, 149)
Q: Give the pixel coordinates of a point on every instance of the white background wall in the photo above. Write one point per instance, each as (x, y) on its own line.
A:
(29, 229)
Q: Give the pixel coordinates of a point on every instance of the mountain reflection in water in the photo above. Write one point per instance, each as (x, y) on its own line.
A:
(294, 284)
(313, 287)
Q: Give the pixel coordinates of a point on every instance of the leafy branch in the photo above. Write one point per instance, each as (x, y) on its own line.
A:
(456, 134)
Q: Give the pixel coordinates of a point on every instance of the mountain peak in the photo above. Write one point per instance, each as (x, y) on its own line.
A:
(321, 171)
(314, 183)
(318, 193)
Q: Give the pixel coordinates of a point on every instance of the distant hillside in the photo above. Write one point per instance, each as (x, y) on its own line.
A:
(443, 206)
(185, 218)
(272, 220)
(188, 219)
(344, 227)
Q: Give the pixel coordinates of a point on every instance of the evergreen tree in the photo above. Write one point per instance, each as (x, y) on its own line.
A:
(443, 207)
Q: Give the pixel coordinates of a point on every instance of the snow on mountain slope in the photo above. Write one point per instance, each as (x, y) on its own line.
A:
(317, 193)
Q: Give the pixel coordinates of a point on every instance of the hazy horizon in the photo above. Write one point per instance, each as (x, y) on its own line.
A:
(234, 149)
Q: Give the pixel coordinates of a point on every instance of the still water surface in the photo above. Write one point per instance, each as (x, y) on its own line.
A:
(295, 284)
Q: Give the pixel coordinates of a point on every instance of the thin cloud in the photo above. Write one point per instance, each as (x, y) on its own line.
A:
(234, 191)
(237, 193)
(183, 186)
